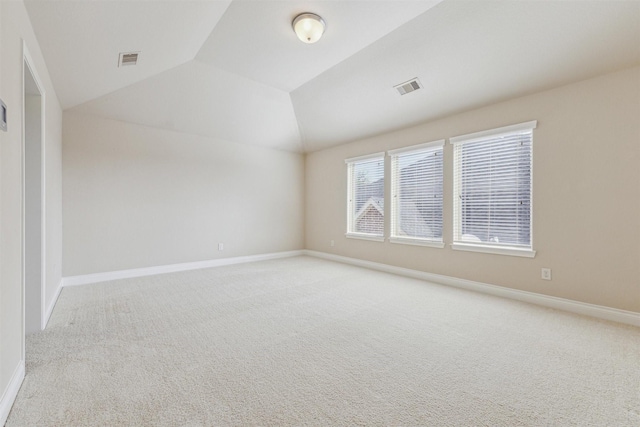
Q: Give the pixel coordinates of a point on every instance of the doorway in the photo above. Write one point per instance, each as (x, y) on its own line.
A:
(33, 179)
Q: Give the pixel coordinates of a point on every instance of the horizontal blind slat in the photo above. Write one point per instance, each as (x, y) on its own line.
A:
(492, 183)
(366, 198)
(416, 182)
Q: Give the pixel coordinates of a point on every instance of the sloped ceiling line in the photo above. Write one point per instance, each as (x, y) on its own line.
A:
(234, 70)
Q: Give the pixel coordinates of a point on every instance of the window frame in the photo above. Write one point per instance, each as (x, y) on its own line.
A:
(395, 206)
(493, 248)
(350, 162)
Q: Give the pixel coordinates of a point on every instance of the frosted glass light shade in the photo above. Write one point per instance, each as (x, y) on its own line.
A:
(309, 27)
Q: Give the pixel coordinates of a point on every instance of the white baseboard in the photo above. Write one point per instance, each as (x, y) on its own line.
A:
(47, 315)
(601, 312)
(150, 271)
(11, 392)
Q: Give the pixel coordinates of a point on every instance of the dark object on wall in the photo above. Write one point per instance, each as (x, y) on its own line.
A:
(3, 116)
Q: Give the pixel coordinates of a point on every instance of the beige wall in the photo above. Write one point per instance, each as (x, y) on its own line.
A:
(586, 194)
(14, 28)
(135, 196)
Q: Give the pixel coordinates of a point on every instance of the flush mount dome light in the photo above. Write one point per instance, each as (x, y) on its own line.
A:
(309, 27)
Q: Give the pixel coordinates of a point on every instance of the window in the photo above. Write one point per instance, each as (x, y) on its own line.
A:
(492, 190)
(416, 194)
(365, 218)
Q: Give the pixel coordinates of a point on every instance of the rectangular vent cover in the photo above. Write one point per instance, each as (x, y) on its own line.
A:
(129, 58)
(408, 87)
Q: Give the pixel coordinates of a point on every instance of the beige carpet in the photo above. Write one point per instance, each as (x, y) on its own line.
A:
(303, 341)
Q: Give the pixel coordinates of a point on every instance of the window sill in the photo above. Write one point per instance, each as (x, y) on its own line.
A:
(364, 236)
(527, 253)
(416, 242)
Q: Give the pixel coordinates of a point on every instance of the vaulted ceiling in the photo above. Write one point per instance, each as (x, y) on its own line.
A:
(234, 69)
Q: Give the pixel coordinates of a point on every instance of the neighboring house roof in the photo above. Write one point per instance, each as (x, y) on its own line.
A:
(369, 190)
(415, 210)
(376, 203)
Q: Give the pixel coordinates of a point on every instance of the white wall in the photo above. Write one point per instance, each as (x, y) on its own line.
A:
(586, 194)
(136, 196)
(14, 28)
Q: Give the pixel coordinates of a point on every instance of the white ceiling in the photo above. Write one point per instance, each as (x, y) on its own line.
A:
(81, 40)
(234, 70)
(255, 39)
(204, 100)
(466, 54)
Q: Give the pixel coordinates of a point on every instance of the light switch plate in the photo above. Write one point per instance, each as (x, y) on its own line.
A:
(3, 116)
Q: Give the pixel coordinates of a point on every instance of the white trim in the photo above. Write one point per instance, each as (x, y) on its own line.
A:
(29, 64)
(473, 247)
(11, 392)
(586, 309)
(49, 311)
(470, 137)
(416, 242)
(28, 60)
(365, 157)
(351, 203)
(435, 147)
(364, 236)
(418, 147)
(150, 271)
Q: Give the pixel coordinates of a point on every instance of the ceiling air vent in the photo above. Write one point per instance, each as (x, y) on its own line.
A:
(408, 87)
(128, 58)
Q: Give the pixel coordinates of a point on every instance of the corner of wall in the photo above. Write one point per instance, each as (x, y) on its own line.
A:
(11, 392)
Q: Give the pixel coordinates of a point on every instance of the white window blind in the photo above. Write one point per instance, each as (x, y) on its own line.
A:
(416, 185)
(365, 216)
(492, 188)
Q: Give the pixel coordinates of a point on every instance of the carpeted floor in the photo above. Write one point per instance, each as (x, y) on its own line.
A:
(303, 341)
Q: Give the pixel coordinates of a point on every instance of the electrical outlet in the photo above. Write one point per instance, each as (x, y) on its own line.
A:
(220, 246)
(546, 274)
(333, 243)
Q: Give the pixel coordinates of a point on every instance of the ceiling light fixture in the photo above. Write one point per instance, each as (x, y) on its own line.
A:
(309, 27)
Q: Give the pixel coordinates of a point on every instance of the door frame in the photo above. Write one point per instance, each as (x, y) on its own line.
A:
(28, 66)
